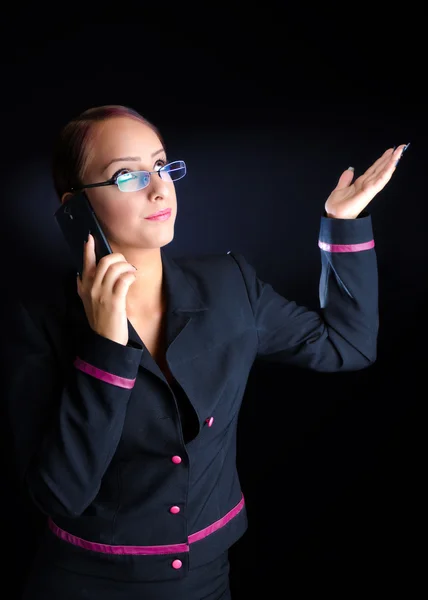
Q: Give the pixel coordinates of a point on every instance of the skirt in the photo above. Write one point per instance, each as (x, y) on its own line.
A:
(50, 582)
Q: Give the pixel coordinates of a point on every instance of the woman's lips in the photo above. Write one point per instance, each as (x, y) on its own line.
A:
(162, 215)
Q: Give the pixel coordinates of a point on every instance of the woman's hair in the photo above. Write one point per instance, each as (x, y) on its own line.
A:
(69, 152)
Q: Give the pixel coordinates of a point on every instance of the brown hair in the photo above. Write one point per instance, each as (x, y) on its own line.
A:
(68, 160)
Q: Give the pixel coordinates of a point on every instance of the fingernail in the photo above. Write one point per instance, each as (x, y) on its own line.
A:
(402, 152)
(350, 169)
(134, 267)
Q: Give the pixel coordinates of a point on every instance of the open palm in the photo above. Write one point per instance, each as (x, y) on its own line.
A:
(349, 198)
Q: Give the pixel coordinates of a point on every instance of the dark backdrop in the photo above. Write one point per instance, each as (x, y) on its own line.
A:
(331, 465)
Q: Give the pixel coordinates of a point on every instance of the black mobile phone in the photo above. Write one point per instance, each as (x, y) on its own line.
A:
(76, 219)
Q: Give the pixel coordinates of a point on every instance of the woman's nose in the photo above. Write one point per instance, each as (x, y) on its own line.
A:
(157, 188)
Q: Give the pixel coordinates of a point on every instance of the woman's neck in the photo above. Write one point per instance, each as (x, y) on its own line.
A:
(145, 295)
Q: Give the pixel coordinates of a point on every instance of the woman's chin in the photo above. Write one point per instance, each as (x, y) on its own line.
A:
(160, 240)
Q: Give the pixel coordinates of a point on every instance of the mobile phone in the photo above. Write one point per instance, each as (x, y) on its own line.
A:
(76, 219)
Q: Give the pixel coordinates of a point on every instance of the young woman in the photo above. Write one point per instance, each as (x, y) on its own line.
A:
(129, 380)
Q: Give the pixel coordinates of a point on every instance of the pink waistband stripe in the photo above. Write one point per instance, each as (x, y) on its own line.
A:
(346, 247)
(103, 375)
(199, 535)
(146, 550)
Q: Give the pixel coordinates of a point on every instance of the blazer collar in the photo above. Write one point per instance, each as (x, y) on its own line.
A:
(182, 295)
(184, 302)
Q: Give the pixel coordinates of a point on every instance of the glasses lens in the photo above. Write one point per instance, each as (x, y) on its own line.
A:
(173, 171)
(132, 182)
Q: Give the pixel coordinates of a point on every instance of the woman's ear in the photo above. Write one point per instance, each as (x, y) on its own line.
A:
(65, 197)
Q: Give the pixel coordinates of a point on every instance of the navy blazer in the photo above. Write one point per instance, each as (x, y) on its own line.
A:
(137, 476)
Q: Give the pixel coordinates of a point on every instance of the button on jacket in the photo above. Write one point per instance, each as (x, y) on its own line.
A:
(136, 475)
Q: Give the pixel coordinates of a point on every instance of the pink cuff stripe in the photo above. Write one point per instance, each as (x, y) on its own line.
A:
(103, 375)
(346, 247)
(145, 550)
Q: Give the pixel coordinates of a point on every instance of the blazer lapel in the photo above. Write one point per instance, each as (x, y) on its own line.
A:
(184, 303)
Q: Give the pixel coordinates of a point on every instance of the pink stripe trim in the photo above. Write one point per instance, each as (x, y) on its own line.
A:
(103, 375)
(199, 535)
(346, 247)
(146, 550)
(108, 549)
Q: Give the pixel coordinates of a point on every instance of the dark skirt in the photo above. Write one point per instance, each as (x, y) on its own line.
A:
(50, 582)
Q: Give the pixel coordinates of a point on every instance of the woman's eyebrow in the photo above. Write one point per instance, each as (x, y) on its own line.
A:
(131, 158)
(122, 159)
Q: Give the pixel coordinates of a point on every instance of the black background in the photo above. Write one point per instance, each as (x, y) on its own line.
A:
(266, 119)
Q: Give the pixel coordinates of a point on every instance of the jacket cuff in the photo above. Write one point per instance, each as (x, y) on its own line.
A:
(346, 231)
(107, 356)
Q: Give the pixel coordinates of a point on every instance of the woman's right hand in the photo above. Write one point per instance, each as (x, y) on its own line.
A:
(103, 290)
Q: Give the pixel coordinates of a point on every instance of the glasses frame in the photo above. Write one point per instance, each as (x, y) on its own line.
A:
(113, 180)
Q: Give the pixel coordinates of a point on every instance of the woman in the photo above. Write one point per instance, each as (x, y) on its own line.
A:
(133, 376)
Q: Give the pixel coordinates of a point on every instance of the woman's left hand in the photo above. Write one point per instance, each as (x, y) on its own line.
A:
(349, 199)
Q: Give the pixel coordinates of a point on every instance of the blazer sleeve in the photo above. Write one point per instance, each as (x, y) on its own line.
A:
(341, 335)
(65, 425)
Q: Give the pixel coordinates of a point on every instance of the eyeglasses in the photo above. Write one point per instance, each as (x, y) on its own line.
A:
(138, 180)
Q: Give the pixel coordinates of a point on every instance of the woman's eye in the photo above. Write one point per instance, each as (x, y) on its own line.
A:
(159, 164)
(120, 172)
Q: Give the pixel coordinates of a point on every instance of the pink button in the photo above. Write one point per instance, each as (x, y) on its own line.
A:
(174, 510)
(210, 421)
(177, 564)
(176, 460)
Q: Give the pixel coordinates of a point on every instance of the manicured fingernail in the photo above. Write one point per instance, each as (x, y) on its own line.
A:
(350, 169)
(402, 152)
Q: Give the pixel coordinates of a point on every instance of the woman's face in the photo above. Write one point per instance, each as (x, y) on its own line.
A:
(120, 145)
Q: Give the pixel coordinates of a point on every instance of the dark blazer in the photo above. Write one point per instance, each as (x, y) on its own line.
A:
(137, 477)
